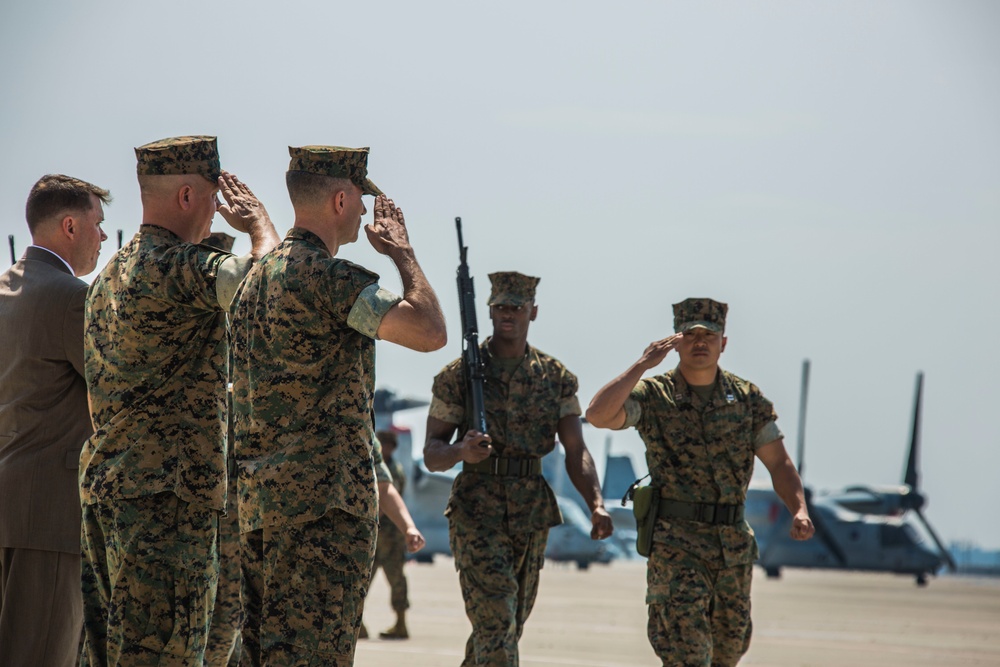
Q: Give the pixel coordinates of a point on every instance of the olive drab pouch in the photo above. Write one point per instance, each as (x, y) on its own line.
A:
(645, 503)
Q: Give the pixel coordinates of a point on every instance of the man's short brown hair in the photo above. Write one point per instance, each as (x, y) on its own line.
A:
(55, 194)
(307, 188)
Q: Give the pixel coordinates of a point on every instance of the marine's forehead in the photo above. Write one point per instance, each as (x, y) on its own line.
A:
(700, 331)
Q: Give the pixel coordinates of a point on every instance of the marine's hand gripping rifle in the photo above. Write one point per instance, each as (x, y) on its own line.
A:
(471, 361)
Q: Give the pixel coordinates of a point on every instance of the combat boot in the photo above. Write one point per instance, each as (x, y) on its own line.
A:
(397, 631)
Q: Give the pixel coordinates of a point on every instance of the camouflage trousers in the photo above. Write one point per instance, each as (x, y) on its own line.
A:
(390, 555)
(499, 578)
(227, 620)
(304, 587)
(699, 616)
(150, 571)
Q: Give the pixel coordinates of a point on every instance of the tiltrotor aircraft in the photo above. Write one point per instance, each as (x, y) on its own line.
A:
(858, 527)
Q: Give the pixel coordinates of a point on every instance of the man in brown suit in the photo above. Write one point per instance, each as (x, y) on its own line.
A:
(44, 421)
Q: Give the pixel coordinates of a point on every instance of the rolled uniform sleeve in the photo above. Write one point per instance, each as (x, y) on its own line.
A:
(231, 272)
(764, 418)
(633, 413)
(382, 472)
(769, 432)
(448, 402)
(633, 404)
(446, 412)
(370, 307)
(569, 404)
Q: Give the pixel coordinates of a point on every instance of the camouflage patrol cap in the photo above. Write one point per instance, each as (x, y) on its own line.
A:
(220, 240)
(511, 288)
(692, 313)
(179, 155)
(336, 162)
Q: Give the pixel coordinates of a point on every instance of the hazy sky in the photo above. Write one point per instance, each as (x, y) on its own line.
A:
(831, 170)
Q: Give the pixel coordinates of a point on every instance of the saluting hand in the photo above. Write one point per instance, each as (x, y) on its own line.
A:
(387, 232)
(241, 209)
(657, 351)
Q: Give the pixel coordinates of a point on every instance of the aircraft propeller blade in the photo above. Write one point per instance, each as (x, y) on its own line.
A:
(912, 476)
(822, 532)
(944, 552)
(803, 400)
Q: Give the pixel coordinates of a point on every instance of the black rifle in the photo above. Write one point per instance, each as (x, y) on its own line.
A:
(13, 257)
(471, 361)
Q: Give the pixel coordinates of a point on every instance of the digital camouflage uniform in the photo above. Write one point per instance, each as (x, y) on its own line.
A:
(227, 619)
(700, 451)
(383, 473)
(498, 525)
(390, 547)
(304, 326)
(153, 475)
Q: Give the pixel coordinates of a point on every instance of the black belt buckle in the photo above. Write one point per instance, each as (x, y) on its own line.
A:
(706, 513)
(723, 514)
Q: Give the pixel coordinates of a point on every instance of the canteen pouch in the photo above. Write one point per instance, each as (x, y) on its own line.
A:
(645, 503)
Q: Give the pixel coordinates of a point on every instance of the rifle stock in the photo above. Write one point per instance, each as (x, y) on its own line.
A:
(472, 363)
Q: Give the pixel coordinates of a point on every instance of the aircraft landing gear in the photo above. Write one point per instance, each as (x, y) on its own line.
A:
(921, 579)
(772, 572)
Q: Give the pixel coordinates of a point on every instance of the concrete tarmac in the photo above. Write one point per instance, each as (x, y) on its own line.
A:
(808, 618)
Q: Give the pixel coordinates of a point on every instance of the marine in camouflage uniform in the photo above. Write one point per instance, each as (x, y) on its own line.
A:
(702, 427)
(390, 547)
(224, 646)
(501, 508)
(304, 330)
(153, 475)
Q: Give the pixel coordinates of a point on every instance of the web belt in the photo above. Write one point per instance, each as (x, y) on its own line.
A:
(505, 467)
(717, 515)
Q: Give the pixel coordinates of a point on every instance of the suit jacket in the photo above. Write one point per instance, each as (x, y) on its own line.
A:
(44, 419)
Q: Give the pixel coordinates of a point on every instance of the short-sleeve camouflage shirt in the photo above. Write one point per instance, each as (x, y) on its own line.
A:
(523, 409)
(398, 477)
(303, 384)
(156, 366)
(702, 451)
(382, 471)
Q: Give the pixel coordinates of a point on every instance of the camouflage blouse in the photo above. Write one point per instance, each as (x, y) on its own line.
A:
(522, 410)
(702, 451)
(156, 366)
(303, 383)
